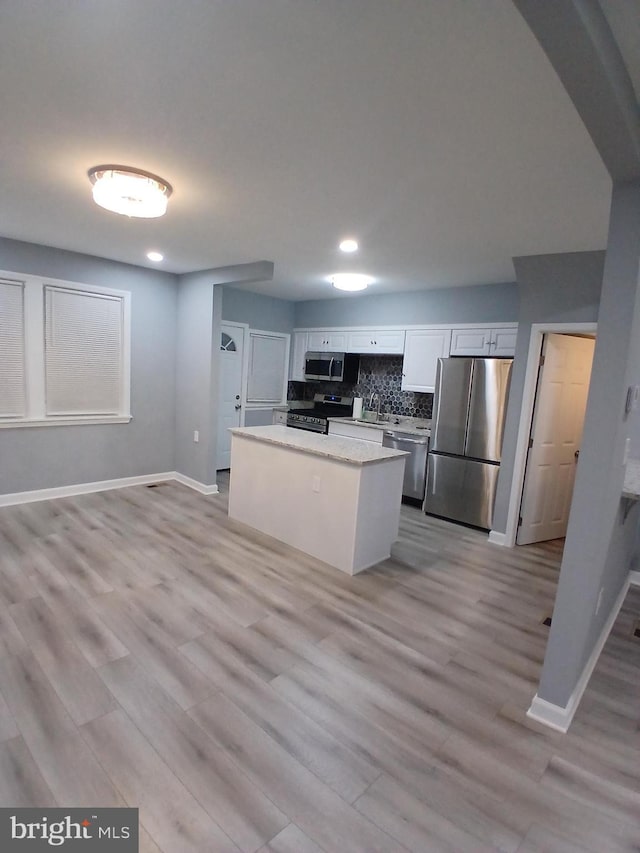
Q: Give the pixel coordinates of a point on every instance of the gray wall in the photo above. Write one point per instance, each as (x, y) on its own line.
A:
(45, 457)
(563, 288)
(600, 542)
(258, 311)
(195, 378)
(488, 303)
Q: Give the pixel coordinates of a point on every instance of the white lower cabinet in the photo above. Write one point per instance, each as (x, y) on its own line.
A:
(422, 349)
(359, 431)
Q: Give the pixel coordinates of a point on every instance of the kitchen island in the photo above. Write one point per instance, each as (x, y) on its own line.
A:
(335, 498)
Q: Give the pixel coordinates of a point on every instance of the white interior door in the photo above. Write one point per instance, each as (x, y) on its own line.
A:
(561, 400)
(230, 394)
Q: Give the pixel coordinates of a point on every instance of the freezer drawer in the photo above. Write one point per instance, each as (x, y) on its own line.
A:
(461, 489)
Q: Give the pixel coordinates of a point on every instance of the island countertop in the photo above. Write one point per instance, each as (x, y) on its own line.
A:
(396, 423)
(331, 446)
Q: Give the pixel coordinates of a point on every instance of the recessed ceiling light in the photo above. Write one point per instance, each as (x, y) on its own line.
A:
(350, 281)
(130, 192)
(349, 245)
(155, 256)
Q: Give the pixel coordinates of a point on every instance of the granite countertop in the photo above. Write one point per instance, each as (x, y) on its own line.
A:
(407, 425)
(332, 446)
(631, 487)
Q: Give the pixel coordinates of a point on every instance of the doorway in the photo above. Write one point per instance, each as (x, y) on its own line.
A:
(230, 395)
(536, 340)
(556, 431)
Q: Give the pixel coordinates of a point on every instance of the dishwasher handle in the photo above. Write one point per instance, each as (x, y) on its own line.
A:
(404, 439)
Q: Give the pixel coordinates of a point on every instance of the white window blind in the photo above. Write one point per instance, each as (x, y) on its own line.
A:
(12, 360)
(83, 352)
(267, 368)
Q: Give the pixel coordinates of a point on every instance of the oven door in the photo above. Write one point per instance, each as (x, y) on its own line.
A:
(300, 422)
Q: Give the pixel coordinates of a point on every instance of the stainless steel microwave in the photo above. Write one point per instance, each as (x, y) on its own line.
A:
(331, 366)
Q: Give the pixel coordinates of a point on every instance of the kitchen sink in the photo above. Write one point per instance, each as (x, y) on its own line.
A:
(383, 419)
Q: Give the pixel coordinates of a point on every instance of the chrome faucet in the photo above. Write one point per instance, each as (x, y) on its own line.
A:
(375, 394)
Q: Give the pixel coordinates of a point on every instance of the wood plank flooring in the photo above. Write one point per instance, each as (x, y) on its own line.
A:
(248, 698)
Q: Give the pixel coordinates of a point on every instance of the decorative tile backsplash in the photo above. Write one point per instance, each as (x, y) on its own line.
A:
(381, 374)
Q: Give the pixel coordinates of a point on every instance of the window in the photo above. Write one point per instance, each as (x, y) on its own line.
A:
(64, 353)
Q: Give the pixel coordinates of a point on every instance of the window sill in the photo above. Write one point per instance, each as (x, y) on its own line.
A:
(65, 421)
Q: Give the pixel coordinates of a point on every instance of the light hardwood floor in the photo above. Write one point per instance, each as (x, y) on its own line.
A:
(247, 697)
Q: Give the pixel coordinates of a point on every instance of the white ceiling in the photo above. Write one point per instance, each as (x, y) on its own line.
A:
(435, 131)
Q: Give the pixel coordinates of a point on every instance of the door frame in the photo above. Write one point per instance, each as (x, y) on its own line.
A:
(245, 367)
(538, 331)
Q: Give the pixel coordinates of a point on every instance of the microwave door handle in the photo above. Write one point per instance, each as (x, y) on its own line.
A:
(331, 368)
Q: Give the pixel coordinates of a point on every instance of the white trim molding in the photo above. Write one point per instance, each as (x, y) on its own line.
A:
(195, 484)
(497, 538)
(634, 578)
(558, 717)
(103, 486)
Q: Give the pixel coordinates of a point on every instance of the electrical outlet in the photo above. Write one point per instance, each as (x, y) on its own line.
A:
(599, 602)
(196, 436)
(315, 483)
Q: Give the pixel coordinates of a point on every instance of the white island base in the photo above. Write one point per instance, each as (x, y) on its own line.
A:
(337, 499)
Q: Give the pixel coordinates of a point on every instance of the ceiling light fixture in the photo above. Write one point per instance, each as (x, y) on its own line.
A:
(156, 257)
(130, 192)
(351, 281)
(349, 245)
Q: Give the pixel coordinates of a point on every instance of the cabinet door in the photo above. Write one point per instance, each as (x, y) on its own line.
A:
(471, 341)
(503, 341)
(376, 340)
(323, 341)
(422, 349)
(300, 347)
(318, 341)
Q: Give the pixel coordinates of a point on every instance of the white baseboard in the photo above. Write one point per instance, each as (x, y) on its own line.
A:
(103, 486)
(634, 578)
(556, 716)
(497, 538)
(195, 484)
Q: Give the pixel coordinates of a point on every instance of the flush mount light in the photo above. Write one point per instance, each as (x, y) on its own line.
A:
(130, 192)
(349, 245)
(350, 281)
(156, 257)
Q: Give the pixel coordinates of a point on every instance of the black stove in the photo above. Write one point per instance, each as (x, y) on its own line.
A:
(314, 417)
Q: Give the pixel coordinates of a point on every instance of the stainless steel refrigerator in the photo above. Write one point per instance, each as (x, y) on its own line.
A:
(466, 438)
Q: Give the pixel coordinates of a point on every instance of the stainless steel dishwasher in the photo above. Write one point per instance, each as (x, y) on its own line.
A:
(415, 466)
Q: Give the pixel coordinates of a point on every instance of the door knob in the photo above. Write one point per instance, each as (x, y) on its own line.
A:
(576, 454)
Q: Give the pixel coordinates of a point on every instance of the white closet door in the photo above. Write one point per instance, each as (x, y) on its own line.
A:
(12, 359)
(83, 352)
(267, 367)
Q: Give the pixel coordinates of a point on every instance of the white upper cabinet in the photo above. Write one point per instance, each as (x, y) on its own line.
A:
(504, 341)
(376, 340)
(484, 340)
(422, 349)
(300, 347)
(322, 340)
